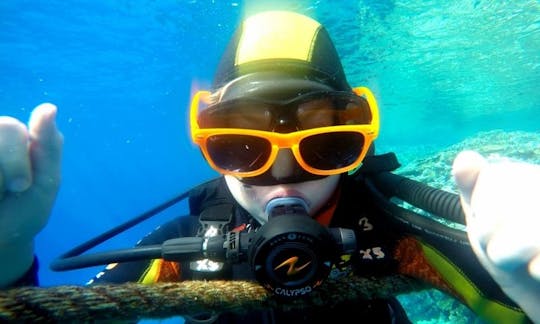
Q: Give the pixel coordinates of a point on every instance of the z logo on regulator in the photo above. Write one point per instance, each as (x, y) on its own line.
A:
(291, 263)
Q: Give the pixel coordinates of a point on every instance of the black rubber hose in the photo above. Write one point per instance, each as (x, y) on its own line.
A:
(123, 227)
(415, 223)
(438, 202)
(145, 252)
(73, 259)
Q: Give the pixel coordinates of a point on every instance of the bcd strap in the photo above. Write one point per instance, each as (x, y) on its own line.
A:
(214, 220)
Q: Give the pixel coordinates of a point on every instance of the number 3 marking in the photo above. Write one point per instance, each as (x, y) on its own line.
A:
(365, 224)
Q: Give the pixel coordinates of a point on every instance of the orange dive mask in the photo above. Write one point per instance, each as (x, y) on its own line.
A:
(329, 132)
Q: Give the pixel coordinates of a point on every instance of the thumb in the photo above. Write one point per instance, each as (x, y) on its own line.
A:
(465, 170)
(45, 145)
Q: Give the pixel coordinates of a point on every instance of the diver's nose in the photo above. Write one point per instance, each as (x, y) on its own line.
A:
(284, 165)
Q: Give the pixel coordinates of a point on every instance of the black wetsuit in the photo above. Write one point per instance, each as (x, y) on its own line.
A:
(383, 249)
(379, 240)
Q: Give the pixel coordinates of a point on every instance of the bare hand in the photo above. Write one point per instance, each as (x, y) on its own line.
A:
(29, 174)
(502, 206)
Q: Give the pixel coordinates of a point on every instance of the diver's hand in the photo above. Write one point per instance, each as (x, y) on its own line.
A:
(502, 206)
(29, 180)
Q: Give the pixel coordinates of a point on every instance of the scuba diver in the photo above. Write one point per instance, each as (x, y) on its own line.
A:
(293, 143)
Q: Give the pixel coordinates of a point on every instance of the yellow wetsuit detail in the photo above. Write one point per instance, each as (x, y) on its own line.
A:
(489, 310)
(151, 274)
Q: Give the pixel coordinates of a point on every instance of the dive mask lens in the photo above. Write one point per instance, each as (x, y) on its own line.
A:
(311, 110)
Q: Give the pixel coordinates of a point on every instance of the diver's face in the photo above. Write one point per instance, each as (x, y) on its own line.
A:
(253, 197)
(285, 178)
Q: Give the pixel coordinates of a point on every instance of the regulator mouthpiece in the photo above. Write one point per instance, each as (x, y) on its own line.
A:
(286, 205)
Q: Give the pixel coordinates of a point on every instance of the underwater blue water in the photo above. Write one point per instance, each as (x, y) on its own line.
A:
(121, 73)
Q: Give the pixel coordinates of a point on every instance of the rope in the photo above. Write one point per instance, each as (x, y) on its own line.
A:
(132, 301)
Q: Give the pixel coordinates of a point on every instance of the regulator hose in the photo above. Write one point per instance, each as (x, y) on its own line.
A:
(443, 204)
(436, 201)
